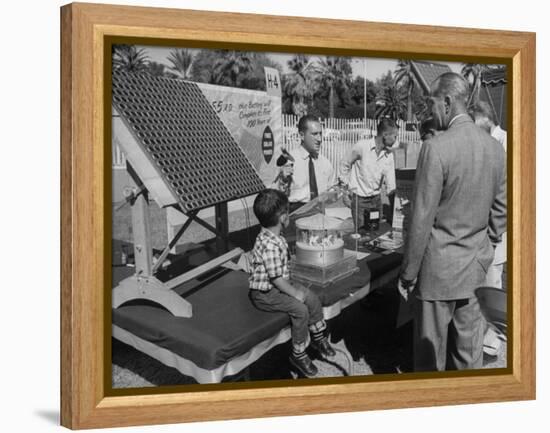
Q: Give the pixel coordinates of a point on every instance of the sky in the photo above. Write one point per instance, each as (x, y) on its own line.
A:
(375, 67)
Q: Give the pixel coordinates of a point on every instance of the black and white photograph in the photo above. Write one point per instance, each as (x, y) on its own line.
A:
(301, 216)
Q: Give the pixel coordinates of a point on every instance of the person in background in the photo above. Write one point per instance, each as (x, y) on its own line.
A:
(312, 173)
(458, 216)
(428, 129)
(283, 181)
(368, 166)
(484, 117)
(271, 289)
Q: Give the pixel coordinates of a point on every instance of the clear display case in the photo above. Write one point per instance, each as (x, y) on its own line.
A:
(320, 256)
(319, 240)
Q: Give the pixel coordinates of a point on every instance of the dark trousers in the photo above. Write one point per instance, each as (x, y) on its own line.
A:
(360, 204)
(304, 316)
(448, 332)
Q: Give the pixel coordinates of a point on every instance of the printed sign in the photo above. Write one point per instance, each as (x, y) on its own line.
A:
(272, 81)
(268, 145)
(254, 120)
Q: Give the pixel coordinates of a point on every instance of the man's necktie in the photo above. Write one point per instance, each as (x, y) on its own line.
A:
(313, 192)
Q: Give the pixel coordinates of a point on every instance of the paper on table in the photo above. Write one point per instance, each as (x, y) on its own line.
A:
(360, 254)
(342, 213)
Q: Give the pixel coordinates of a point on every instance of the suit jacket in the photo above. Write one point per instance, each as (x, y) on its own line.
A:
(458, 212)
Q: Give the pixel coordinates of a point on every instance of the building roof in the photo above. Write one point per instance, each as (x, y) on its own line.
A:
(494, 76)
(494, 91)
(426, 72)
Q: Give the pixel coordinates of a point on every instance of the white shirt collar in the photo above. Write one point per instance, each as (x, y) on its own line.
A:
(305, 154)
(456, 117)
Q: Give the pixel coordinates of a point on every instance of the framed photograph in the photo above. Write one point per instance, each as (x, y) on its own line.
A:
(182, 131)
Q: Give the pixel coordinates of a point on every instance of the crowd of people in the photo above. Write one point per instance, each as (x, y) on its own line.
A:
(456, 239)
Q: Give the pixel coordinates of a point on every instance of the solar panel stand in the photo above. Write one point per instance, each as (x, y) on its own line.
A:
(222, 227)
(180, 150)
(143, 284)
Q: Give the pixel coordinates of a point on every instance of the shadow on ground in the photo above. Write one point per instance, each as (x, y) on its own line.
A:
(368, 331)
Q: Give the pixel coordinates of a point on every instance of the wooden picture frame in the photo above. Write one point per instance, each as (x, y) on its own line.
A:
(85, 217)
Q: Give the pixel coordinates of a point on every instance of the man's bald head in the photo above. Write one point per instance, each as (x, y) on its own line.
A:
(451, 84)
(448, 98)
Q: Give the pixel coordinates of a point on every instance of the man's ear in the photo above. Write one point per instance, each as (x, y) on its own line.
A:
(448, 101)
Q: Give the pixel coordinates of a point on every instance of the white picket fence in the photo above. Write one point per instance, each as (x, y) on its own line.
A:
(339, 135)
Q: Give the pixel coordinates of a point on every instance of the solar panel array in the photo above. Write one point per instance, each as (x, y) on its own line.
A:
(185, 140)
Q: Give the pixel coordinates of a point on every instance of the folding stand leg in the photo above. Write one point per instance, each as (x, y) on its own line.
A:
(143, 285)
(152, 290)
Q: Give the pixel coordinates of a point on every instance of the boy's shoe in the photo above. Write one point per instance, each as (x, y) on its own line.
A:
(304, 365)
(323, 347)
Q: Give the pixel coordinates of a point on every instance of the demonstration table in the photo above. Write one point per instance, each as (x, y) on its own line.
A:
(227, 333)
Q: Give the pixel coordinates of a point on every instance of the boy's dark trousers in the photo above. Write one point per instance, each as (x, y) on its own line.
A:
(302, 315)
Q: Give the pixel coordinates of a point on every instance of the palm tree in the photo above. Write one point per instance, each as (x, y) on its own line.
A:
(473, 73)
(390, 103)
(228, 69)
(300, 84)
(129, 58)
(404, 75)
(156, 69)
(334, 73)
(181, 60)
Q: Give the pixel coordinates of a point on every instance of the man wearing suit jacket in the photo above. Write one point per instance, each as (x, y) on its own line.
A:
(458, 215)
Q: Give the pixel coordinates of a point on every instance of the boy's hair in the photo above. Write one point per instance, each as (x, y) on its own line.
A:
(269, 205)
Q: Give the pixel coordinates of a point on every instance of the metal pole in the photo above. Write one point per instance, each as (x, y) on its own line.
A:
(365, 89)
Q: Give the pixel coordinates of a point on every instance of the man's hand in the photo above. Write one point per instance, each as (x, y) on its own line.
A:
(287, 170)
(300, 295)
(300, 291)
(346, 199)
(405, 287)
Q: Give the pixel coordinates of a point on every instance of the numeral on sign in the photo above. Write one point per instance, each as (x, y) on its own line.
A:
(272, 81)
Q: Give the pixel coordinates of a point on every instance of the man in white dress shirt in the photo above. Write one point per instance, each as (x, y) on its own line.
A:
(312, 173)
(369, 165)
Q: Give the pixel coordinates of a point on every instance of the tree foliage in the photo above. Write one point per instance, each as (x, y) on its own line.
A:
(181, 60)
(334, 75)
(129, 58)
(156, 69)
(231, 68)
(300, 85)
(391, 103)
(405, 79)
